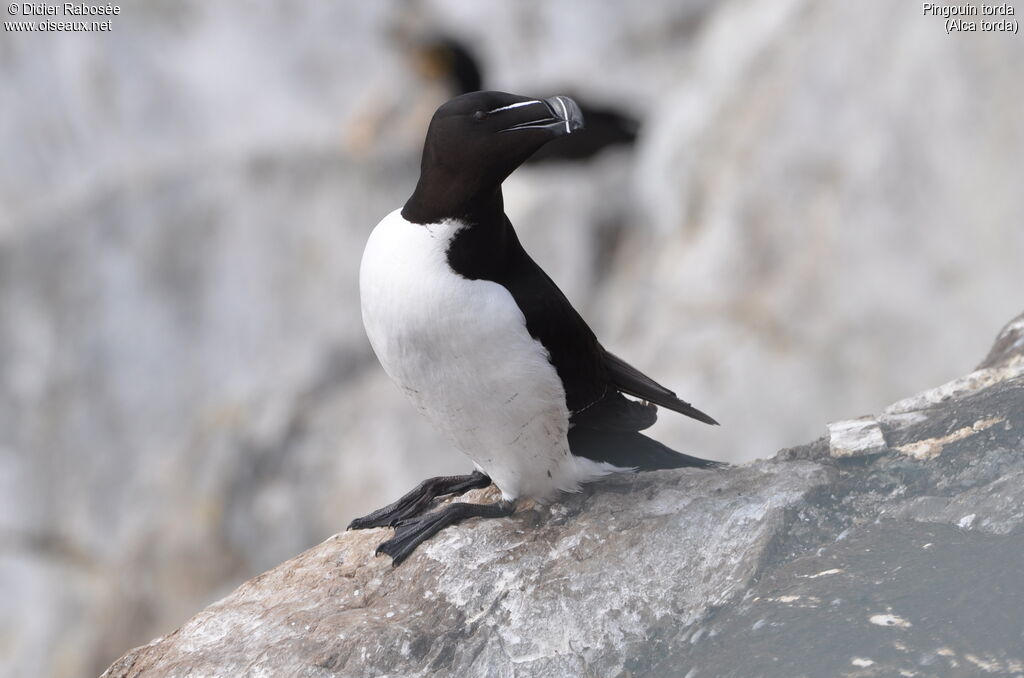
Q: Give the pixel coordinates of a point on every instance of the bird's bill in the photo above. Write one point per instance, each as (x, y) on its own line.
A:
(558, 114)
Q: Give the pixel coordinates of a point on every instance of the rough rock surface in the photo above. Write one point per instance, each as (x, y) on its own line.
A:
(902, 559)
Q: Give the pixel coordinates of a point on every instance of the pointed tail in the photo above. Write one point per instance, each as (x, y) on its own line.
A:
(628, 449)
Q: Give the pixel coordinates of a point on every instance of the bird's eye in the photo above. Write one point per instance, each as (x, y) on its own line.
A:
(480, 115)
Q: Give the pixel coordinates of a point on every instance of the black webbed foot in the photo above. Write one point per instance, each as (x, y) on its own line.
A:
(412, 532)
(415, 502)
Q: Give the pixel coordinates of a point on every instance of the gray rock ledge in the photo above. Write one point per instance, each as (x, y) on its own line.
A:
(893, 547)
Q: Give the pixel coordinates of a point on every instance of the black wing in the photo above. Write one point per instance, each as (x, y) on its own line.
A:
(550, 318)
(591, 393)
(628, 379)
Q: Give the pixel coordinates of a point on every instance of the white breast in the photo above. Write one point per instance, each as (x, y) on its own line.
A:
(460, 350)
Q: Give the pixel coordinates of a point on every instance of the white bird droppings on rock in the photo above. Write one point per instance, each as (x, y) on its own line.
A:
(889, 620)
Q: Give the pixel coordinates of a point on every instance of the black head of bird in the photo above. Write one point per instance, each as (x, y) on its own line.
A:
(476, 140)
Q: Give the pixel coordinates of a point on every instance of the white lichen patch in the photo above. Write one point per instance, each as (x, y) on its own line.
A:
(972, 383)
(863, 662)
(966, 522)
(929, 448)
(889, 619)
(855, 437)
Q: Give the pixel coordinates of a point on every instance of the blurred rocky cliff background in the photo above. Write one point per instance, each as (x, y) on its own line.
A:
(822, 213)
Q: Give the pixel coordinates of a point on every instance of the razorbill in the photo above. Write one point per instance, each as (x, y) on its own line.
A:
(482, 340)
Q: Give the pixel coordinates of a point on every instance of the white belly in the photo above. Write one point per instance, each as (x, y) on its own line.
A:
(460, 350)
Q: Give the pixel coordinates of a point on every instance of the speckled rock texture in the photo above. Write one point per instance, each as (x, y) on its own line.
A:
(901, 559)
